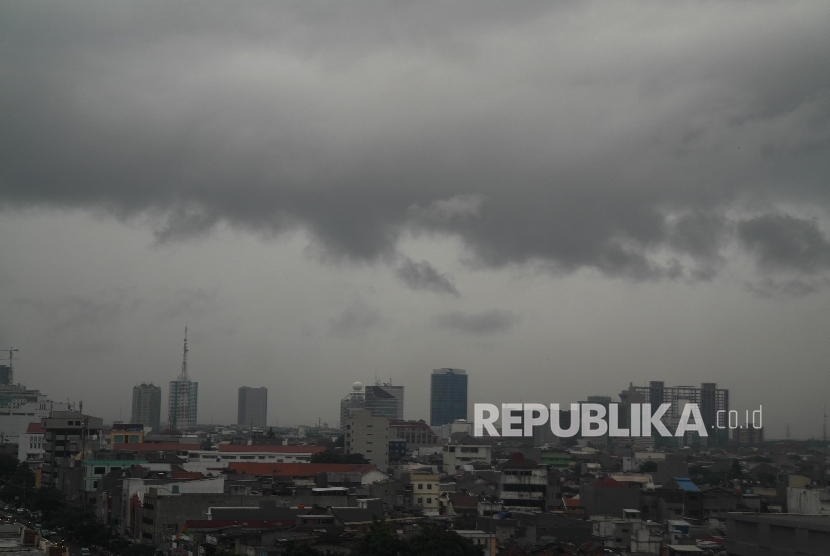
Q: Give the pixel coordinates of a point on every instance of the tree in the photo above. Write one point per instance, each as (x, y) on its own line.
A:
(379, 541)
(735, 470)
(648, 467)
(435, 541)
(330, 456)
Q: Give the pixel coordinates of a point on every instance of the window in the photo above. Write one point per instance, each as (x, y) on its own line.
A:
(420, 500)
(429, 486)
(99, 470)
(420, 486)
(429, 500)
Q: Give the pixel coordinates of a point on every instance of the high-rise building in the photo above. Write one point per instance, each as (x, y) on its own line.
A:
(183, 400)
(65, 435)
(6, 375)
(368, 435)
(253, 407)
(147, 405)
(448, 396)
(396, 391)
(384, 400)
(353, 400)
(709, 398)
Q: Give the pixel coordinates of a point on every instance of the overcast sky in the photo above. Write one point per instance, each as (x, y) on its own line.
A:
(561, 198)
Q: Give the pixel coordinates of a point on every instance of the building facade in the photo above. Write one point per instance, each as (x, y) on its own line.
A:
(30, 448)
(448, 396)
(368, 435)
(353, 400)
(396, 391)
(65, 435)
(711, 400)
(147, 405)
(183, 403)
(252, 410)
(381, 402)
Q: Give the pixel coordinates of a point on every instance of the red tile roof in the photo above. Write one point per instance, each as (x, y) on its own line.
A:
(267, 469)
(270, 449)
(608, 483)
(156, 447)
(187, 475)
(35, 428)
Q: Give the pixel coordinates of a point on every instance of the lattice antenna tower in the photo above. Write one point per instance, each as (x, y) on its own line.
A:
(183, 376)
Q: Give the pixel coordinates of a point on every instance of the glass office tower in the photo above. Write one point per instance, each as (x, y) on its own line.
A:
(448, 396)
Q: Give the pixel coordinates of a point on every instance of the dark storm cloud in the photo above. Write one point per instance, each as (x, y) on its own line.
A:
(71, 315)
(424, 276)
(355, 320)
(784, 242)
(571, 135)
(481, 324)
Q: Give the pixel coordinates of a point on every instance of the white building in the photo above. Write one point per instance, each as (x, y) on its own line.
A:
(30, 447)
(808, 501)
(466, 452)
(20, 406)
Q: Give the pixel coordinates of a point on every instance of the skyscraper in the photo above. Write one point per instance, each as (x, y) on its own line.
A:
(253, 407)
(352, 400)
(396, 391)
(147, 405)
(709, 398)
(384, 400)
(183, 398)
(448, 396)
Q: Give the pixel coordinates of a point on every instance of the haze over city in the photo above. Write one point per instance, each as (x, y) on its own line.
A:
(560, 199)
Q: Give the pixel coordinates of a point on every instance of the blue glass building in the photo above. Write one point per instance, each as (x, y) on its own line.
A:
(447, 396)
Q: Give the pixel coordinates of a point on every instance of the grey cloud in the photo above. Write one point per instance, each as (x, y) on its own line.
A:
(787, 288)
(491, 124)
(784, 242)
(72, 315)
(184, 303)
(355, 320)
(480, 324)
(424, 276)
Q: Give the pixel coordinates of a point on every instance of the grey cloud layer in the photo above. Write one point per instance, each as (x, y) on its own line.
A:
(481, 324)
(617, 138)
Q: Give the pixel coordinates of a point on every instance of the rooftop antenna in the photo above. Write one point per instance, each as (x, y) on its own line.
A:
(183, 376)
(11, 351)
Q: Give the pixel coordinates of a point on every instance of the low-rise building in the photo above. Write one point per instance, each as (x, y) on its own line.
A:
(30, 448)
(426, 490)
(467, 451)
(525, 485)
(777, 535)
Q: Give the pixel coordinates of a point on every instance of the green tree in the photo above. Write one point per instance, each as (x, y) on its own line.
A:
(380, 541)
(648, 467)
(735, 470)
(330, 456)
(435, 541)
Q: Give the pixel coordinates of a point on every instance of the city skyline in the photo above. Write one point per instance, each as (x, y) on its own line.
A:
(560, 198)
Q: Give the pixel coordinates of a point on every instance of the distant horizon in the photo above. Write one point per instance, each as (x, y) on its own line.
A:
(556, 197)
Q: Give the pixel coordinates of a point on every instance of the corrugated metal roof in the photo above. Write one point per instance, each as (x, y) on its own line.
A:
(686, 484)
